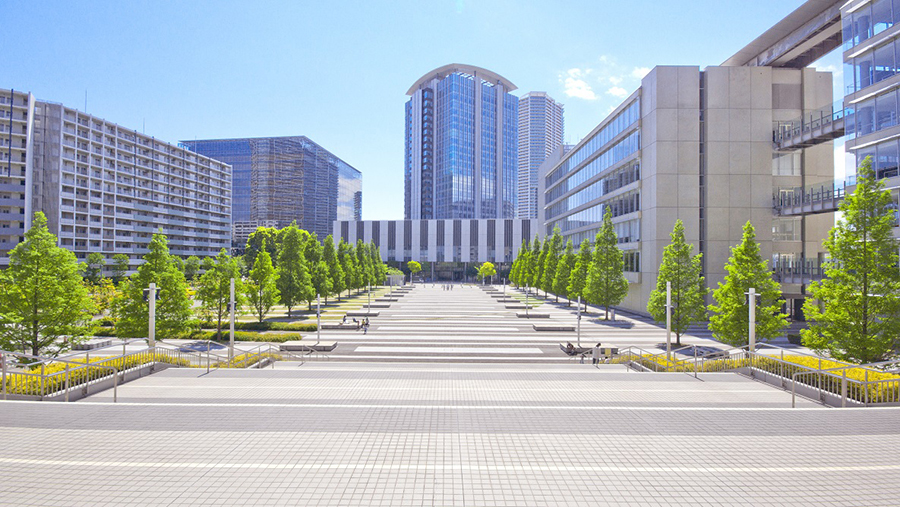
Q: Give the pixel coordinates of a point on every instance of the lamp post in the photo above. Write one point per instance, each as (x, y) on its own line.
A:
(231, 326)
(578, 322)
(151, 334)
(319, 319)
(526, 300)
(751, 302)
(668, 322)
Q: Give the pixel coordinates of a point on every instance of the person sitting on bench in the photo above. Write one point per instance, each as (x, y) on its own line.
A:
(570, 349)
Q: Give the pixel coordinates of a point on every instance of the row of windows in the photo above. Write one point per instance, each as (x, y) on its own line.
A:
(786, 164)
(621, 205)
(607, 159)
(885, 158)
(615, 127)
(872, 66)
(869, 20)
(873, 115)
(628, 231)
(618, 179)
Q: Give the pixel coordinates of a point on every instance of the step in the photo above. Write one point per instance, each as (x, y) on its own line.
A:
(532, 315)
(362, 313)
(306, 345)
(92, 344)
(553, 327)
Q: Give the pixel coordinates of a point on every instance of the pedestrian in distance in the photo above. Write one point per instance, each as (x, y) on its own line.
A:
(596, 354)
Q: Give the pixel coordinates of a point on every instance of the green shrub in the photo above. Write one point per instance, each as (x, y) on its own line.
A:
(105, 331)
(245, 336)
(264, 326)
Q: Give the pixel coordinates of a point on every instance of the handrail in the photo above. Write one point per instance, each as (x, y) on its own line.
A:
(44, 362)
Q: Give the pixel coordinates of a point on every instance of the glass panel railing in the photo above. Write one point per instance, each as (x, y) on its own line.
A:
(824, 117)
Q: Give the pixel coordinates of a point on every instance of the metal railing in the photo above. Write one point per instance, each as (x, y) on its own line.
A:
(830, 193)
(847, 384)
(36, 377)
(828, 116)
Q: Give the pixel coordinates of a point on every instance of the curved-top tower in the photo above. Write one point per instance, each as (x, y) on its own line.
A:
(461, 145)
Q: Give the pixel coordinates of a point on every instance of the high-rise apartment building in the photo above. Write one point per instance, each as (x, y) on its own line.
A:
(461, 145)
(282, 179)
(541, 129)
(103, 187)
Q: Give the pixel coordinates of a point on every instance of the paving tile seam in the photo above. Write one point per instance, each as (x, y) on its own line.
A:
(447, 407)
(458, 465)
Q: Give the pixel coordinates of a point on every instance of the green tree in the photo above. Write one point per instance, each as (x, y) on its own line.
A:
(414, 267)
(380, 274)
(94, 270)
(747, 269)
(268, 236)
(294, 282)
(485, 270)
(191, 267)
(44, 304)
(854, 312)
(214, 288)
(335, 272)
(319, 274)
(348, 265)
(606, 283)
(120, 267)
(262, 291)
(564, 271)
(173, 305)
(515, 273)
(688, 286)
(364, 261)
(578, 277)
(534, 260)
(179, 264)
(539, 265)
(553, 247)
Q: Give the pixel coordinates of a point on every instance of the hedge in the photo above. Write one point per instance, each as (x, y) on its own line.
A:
(264, 326)
(211, 335)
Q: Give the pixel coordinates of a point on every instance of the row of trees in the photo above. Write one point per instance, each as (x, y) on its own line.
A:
(854, 312)
(46, 302)
(595, 273)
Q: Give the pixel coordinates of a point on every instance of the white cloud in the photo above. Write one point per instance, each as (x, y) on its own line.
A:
(577, 87)
(640, 72)
(617, 91)
(615, 81)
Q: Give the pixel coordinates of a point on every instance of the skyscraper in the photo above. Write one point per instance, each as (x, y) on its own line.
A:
(541, 128)
(461, 145)
(281, 179)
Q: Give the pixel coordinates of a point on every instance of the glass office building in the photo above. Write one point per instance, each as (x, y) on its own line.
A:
(283, 179)
(461, 145)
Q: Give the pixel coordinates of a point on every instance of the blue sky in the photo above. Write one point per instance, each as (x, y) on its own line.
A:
(337, 72)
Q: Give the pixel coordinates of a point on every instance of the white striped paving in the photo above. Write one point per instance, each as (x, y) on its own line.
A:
(450, 350)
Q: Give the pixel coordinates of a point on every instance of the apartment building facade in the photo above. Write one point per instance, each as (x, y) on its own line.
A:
(541, 130)
(107, 188)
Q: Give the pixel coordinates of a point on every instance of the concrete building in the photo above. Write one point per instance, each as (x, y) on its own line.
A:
(694, 145)
(241, 231)
(541, 130)
(451, 245)
(283, 179)
(105, 188)
(460, 145)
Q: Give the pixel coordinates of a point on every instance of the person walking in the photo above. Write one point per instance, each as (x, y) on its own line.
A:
(595, 357)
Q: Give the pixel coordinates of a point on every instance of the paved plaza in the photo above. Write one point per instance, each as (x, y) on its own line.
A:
(458, 427)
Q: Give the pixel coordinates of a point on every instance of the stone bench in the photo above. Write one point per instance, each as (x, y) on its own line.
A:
(378, 305)
(349, 325)
(518, 307)
(92, 344)
(306, 346)
(361, 313)
(553, 327)
(532, 315)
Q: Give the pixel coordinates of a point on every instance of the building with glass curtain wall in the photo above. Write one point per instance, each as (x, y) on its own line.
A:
(541, 129)
(283, 179)
(461, 145)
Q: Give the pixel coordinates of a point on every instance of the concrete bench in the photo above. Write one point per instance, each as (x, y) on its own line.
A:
(518, 307)
(378, 305)
(349, 325)
(361, 313)
(553, 327)
(532, 315)
(387, 300)
(92, 344)
(305, 346)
